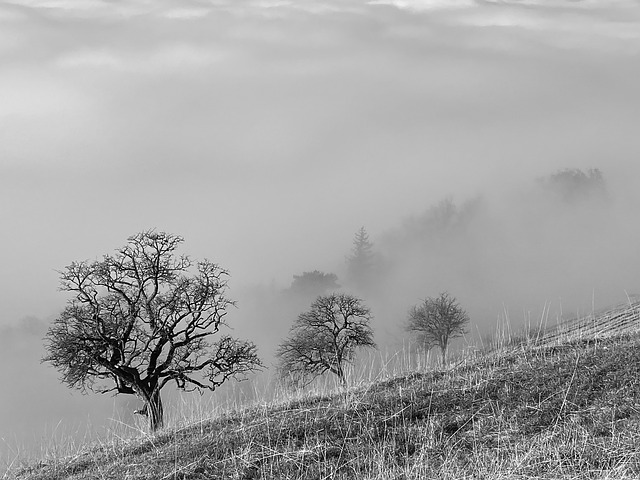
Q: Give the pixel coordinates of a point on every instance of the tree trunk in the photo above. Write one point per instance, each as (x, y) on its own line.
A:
(155, 411)
(341, 376)
(444, 356)
(152, 410)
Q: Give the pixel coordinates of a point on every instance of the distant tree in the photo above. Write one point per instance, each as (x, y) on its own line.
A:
(436, 321)
(361, 260)
(441, 220)
(312, 284)
(142, 318)
(325, 338)
(573, 185)
(441, 216)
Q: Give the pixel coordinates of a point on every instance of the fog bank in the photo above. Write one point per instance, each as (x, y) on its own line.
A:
(267, 133)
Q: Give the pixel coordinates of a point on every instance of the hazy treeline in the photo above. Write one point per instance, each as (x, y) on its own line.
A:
(564, 238)
(558, 241)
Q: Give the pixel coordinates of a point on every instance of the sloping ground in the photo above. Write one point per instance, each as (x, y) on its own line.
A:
(613, 321)
(559, 411)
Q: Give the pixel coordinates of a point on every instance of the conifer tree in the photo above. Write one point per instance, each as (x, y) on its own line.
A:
(361, 260)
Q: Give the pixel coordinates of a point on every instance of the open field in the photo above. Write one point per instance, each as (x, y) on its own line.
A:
(561, 404)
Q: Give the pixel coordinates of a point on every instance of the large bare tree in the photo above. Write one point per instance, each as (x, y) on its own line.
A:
(437, 321)
(326, 337)
(142, 318)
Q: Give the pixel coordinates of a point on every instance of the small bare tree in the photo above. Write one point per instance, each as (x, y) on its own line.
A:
(437, 321)
(326, 337)
(142, 318)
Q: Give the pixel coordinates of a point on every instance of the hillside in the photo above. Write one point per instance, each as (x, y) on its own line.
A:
(561, 405)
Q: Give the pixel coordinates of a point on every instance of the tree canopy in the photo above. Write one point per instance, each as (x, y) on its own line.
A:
(326, 337)
(142, 318)
(312, 284)
(574, 185)
(436, 321)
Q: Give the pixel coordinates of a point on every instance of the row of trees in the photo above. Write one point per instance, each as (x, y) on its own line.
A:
(441, 226)
(326, 337)
(146, 317)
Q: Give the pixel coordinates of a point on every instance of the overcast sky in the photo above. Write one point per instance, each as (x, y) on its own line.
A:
(266, 132)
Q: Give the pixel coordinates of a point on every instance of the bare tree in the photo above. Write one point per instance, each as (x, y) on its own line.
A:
(437, 321)
(142, 318)
(326, 337)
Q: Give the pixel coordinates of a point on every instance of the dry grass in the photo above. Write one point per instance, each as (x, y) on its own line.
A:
(557, 407)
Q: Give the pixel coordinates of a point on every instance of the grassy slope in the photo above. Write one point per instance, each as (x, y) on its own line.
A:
(567, 408)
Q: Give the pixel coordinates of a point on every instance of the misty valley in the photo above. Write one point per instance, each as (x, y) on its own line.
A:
(147, 316)
(319, 239)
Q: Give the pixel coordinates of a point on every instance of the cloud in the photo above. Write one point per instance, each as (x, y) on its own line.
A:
(426, 5)
(181, 56)
(35, 94)
(60, 4)
(567, 4)
(170, 58)
(8, 14)
(67, 8)
(559, 23)
(185, 13)
(91, 59)
(503, 19)
(181, 10)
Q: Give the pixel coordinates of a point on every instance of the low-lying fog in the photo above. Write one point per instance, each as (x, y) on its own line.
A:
(268, 133)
